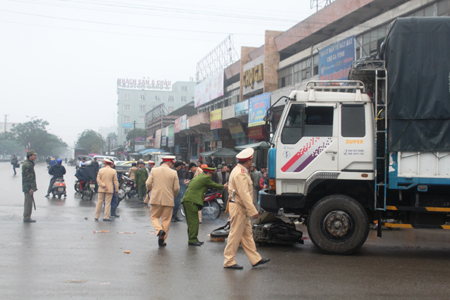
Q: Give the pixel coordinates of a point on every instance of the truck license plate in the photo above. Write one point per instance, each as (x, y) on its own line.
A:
(127, 188)
(60, 189)
(92, 186)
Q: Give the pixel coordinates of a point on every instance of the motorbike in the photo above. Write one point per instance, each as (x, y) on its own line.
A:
(126, 188)
(211, 207)
(58, 188)
(88, 190)
(268, 229)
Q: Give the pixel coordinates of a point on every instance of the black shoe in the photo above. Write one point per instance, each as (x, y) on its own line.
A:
(234, 267)
(107, 220)
(201, 242)
(174, 220)
(29, 221)
(178, 219)
(161, 235)
(95, 219)
(195, 244)
(261, 262)
(163, 245)
(115, 216)
(48, 195)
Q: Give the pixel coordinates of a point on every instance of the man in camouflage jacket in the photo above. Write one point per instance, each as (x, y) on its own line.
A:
(29, 185)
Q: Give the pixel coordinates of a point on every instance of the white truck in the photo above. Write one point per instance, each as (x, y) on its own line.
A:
(347, 153)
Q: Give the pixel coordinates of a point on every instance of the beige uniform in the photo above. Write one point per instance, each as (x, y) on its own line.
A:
(131, 172)
(240, 212)
(105, 178)
(163, 182)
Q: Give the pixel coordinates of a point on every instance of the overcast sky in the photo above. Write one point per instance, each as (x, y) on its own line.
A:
(60, 59)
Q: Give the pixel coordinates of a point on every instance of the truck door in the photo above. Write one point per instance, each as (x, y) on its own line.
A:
(308, 142)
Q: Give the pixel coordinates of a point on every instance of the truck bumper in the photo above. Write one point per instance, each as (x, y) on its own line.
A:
(289, 202)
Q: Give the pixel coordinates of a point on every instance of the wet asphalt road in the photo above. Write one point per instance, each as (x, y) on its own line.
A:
(60, 257)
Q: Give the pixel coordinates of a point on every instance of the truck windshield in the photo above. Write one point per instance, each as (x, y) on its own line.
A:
(292, 129)
(274, 120)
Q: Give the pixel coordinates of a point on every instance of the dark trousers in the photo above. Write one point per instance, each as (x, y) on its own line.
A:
(176, 205)
(14, 169)
(142, 189)
(50, 185)
(191, 210)
(27, 206)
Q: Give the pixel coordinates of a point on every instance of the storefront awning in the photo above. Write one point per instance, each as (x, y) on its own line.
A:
(148, 151)
(222, 152)
(256, 146)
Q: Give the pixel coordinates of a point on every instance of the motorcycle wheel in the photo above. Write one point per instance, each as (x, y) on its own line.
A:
(182, 211)
(216, 210)
(91, 193)
(121, 194)
(77, 187)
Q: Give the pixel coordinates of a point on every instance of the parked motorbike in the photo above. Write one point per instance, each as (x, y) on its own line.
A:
(126, 188)
(58, 188)
(211, 207)
(88, 190)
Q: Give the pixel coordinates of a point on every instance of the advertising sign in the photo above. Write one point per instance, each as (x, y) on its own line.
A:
(216, 135)
(228, 112)
(257, 109)
(171, 136)
(215, 119)
(183, 122)
(208, 137)
(209, 89)
(140, 139)
(237, 132)
(253, 75)
(241, 108)
(177, 125)
(139, 147)
(336, 60)
(127, 125)
(256, 133)
(157, 142)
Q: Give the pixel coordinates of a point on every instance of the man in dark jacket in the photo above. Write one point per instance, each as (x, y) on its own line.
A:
(193, 201)
(14, 163)
(58, 171)
(96, 168)
(177, 199)
(29, 185)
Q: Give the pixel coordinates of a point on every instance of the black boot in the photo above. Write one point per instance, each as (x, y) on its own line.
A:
(113, 212)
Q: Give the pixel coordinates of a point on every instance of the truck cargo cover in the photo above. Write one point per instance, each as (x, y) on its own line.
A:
(417, 55)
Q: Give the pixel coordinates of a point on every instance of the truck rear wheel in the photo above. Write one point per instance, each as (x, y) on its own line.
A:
(338, 224)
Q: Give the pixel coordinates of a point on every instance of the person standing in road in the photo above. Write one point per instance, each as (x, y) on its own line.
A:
(195, 171)
(163, 182)
(58, 171)
(140, 177)
(14, 163)
(193, 201)
(96, 168)
(254, 174)
(132, 170)
(107, 179)
(29, 186)
(241, 209)
(177, 200)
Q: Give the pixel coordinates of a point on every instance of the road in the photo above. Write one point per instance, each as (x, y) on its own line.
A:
(60, 257)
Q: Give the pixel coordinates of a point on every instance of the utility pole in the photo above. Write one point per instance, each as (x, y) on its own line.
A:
(134, 139)
(6, 117)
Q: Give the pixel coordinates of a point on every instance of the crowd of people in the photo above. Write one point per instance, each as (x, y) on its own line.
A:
(170, 185)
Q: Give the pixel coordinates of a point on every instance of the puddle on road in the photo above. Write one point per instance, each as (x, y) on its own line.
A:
(76, 281)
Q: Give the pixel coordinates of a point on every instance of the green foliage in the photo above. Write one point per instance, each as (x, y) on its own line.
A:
(138, 132)
(91, 141)
(9, 146)
(34, 133)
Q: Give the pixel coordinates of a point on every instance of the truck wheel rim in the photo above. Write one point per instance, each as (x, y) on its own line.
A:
(337, 225)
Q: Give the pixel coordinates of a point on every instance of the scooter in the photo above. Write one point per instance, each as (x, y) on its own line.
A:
(126, 188)
(211, 207)
(268, 229)
(58, 188)
(88, 190)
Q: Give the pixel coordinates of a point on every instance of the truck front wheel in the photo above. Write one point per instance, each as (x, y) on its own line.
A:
(338, 224)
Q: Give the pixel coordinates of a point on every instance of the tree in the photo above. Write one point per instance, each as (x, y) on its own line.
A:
(8, 145)
(138, 132)
(34, 135)
(91, 141)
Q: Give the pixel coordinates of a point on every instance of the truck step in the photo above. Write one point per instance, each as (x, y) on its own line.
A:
(416, 226)
(419, 209)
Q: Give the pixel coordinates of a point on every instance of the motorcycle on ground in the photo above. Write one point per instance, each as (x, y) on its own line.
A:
(211, 207)
(88, 190)
(126, 188)
(58, 188)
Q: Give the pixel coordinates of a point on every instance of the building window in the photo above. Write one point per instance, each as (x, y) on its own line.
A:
(369, 42)
(316, 64)
(184, 88)
(142, 120)
(157, 98)
(183, 99)
(142, 108)
(126, 97)
(126, 119)
(285, 77)
(142, 97)
(170, 98)
(170, 109)
(126, 107)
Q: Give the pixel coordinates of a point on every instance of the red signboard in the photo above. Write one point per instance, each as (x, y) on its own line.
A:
(256, 133)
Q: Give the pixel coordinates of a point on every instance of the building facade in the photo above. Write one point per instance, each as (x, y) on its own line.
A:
(136, 97)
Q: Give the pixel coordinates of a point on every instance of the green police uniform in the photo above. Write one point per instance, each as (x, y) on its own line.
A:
(28, 183)
(140, 177)
(193, 202)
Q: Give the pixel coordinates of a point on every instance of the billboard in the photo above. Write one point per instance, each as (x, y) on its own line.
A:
(335, 61)
(183, 122)
(241, 108)
(215, 119)
(171, 136)
(209, 89)
(257, 109)
(237, 132)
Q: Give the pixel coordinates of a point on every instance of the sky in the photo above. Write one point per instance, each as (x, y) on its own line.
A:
(60, 59)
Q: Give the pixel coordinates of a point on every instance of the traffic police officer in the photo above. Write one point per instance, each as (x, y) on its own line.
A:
(193, 201)
(163, 182)
(241, 208)
(140, 177)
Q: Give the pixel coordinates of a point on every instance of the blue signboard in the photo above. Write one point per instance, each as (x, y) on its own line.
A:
(216, 135)
(257, 109)
(127, 125)
(336, 60)
(241, 108)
